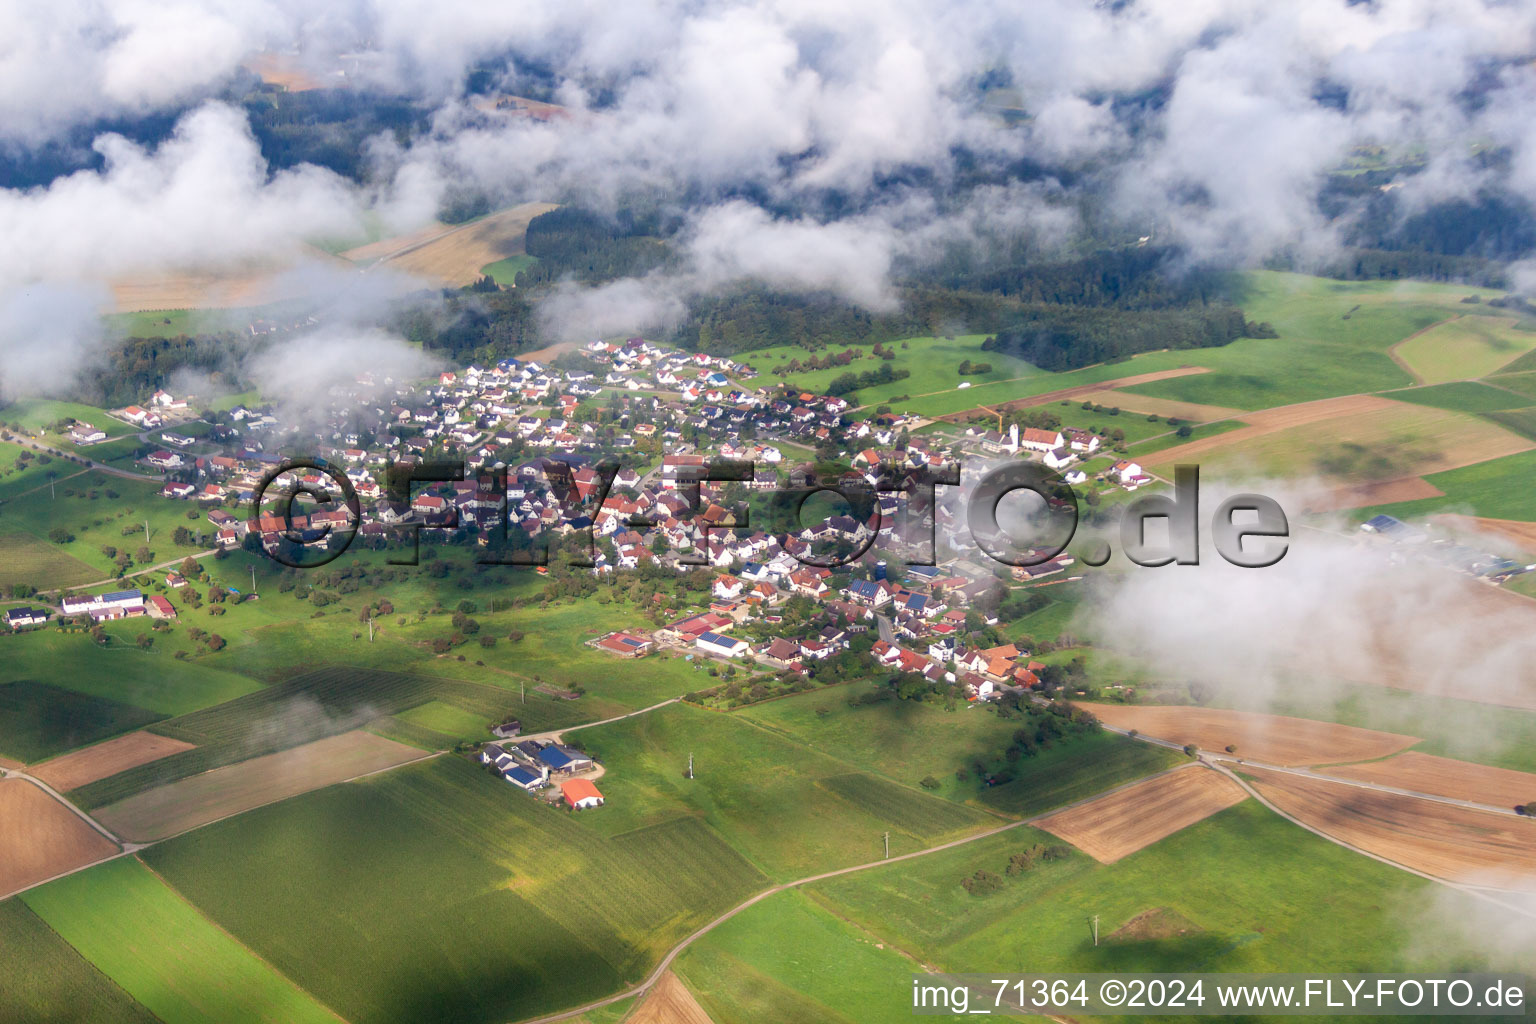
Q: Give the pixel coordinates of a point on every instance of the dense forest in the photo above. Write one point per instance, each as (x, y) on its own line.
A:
(1062, 338)
(574, 243)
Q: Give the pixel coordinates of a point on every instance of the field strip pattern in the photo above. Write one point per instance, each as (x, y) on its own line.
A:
(191, 802)
(1273, 739)
(1117, 825)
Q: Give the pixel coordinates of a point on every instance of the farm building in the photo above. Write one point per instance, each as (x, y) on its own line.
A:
(526, 778)
(714, 643)
(559, 758)
(511, 727)
(580, 793)
(626, 645)
(105, 606)
(159, 608)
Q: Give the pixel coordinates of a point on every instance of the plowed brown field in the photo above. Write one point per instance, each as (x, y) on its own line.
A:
(1443, 776)
(1275, 739)
(74, 770)
(1137, 816)
(1461, 845)
(40, 837)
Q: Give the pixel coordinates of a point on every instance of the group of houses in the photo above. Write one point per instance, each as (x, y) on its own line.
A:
(532, 766)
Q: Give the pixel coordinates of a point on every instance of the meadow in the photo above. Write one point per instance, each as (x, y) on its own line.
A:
(1465, 347)
(437, 892)
(789, 959)
(47, 981)
(504, 272)
(1267, 895)
(789, 808)
(1496, 489)
(163, 953)
(1464, 396)
(38, 720)
(33, 415)
(119, 671)
(30, 560)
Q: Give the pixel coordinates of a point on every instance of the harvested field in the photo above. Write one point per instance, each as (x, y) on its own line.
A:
(105, 759)
(1148, 405)
(1078, 393)
(1274, 739)
(1137, 816)
(1454, 843)
(233, 288)
(669, 1002)
(1361, 438)
(1463, 347)
(1444, 776)
(1521, 533)
(40, 837)
(187, 803)
(1269, 421)
(395, 244)
(453, 258)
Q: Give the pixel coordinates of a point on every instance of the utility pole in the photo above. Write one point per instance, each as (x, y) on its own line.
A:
(253, 590)
(1095, 929)
(887, 846)
(146, 531)
(690, 764)
(522, 688)
(370, 629)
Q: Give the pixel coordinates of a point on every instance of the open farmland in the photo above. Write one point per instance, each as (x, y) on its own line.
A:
(262, 284)
(669, 1002)
(174, 808)
(1274, 739)
(104, 759)
(1464, 347)
(1361, 438)
(437, 892)
(454, 257)
(1245, 889)
(1072, 386)
(1521, 533)
(1122, 822)
(162, 952)
(1455, 843)
(38, 720)
(28, 559)
(1132, 402)
(1443, 776)
(310, 707)
(1483, 489)
(789, 808)
(47, 981)
(120, 672)
(40, 837)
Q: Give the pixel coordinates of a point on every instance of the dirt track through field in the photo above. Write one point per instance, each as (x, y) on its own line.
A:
(187, 803)
(669, 1002)
(1412, 488)
(1443, 776)
(1063, 394)
(40, 837)
(1273, 739)
(75, 770)
(1130, 819)
(1461, 845)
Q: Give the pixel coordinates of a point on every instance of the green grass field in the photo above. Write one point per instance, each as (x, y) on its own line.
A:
(1495, 488)
(789, 808)
(1073, 771)
(504, 272)
(47, 981)
(789, 959)
(38, 720)
(1463, 396)
(150, 680)
(1260, 894)
(35, 414)
(28, 559)
(440, 893)
(164, 954)
(448, 720)
(1466, 347)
